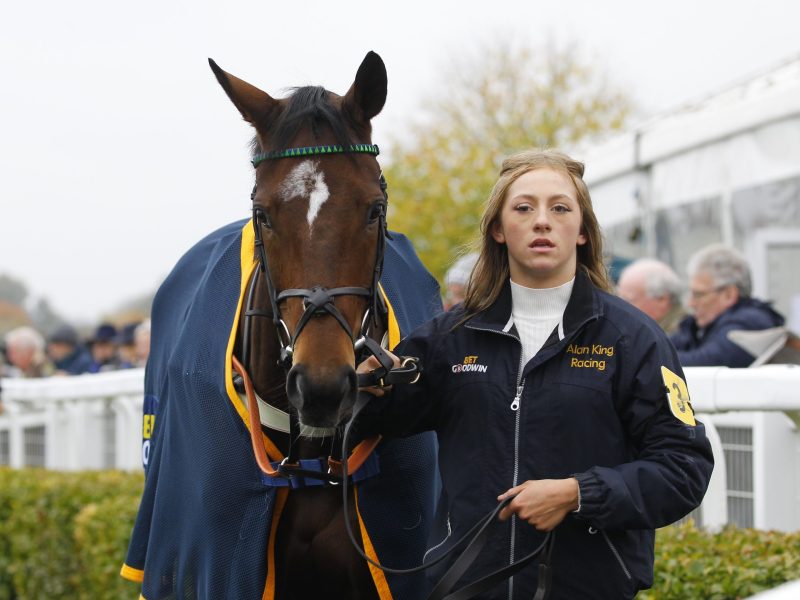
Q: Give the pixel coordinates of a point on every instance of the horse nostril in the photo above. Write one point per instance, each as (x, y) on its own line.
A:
(296, 381)
(349, 382)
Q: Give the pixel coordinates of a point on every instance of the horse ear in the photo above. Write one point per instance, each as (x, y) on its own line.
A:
(367, 95)
(254, 104)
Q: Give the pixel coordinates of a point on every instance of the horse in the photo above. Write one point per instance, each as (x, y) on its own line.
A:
(251, 376)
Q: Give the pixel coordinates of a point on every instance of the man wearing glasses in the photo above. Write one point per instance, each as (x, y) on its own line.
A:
(719, 300)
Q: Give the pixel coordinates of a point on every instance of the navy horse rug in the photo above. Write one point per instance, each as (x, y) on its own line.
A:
(208, 516)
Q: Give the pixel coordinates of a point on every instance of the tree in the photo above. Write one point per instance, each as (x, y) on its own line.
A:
(11, 316)
(135, 309)
(505, 100)
(12, 290)
(45, 317)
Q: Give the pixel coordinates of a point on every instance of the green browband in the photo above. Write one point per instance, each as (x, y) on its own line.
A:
(312, 150)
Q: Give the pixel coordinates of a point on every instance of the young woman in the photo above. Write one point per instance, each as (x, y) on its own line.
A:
(545, 387)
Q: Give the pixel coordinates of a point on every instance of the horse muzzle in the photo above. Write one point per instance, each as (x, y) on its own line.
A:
(322, 400)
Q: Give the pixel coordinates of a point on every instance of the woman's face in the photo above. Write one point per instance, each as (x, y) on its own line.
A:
(540, 224)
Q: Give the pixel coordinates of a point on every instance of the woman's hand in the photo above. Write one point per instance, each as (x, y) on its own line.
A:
(543, 503)
(371, 364)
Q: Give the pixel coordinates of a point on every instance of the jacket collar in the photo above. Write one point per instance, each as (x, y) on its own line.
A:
(583, 305)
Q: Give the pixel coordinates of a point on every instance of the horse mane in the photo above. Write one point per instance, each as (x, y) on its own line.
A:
(308, 106)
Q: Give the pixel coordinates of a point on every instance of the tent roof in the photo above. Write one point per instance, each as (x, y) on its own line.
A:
(771, 96)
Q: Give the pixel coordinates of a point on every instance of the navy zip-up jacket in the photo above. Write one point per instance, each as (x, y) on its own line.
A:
(592, 404)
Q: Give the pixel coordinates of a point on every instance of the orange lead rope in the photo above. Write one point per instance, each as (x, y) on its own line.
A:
(255, 422)
(360, 453)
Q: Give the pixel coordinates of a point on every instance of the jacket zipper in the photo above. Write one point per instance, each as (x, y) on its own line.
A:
(614, 551)
(515, 407)
(515, 404)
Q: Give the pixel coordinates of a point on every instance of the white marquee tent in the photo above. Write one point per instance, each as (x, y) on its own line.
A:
(725, 169)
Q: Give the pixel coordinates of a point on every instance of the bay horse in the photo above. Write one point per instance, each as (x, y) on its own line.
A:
(241, 497)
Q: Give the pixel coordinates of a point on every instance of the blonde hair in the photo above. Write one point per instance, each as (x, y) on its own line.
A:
(491, 270)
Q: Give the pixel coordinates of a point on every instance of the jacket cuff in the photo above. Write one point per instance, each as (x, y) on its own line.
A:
(578, 510)
(591, 493)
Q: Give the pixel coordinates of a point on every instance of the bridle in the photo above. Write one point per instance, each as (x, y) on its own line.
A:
(317, 301)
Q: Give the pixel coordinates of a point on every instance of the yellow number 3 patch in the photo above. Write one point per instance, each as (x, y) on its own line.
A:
(678, 396)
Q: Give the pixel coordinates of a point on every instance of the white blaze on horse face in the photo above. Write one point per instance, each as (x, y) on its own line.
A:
(306, 180)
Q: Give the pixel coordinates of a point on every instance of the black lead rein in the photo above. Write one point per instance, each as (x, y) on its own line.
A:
(479, 533)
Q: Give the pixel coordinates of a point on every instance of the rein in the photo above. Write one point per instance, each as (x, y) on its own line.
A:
(479, 533)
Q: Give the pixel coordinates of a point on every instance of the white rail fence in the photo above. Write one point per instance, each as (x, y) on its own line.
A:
(752, 417)
(73, 423)
(94, 422)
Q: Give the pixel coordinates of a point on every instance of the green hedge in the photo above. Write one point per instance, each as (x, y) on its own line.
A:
(733, 563)
(64, 535)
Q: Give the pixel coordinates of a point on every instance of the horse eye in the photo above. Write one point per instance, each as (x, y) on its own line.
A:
(377, 210)
(263, 219)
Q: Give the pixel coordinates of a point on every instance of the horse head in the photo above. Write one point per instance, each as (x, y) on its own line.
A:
(320, 214)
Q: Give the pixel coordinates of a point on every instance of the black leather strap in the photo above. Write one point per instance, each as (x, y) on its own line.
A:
(407, 372)
(488, 582)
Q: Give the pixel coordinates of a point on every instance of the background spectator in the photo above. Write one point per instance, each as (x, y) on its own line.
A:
(456, 278)
(68, 354)
(616, 264)
(655, 289)
(126, 346)
(25, 354)
(103, 348)
(141, 339)
(719, 298)
(3, 359)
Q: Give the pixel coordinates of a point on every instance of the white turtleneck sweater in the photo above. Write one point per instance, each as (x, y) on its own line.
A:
(536, 312)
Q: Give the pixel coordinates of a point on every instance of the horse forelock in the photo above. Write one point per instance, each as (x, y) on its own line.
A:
(308, 108)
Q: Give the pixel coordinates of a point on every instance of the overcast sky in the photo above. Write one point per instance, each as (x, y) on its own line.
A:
(118, 149)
